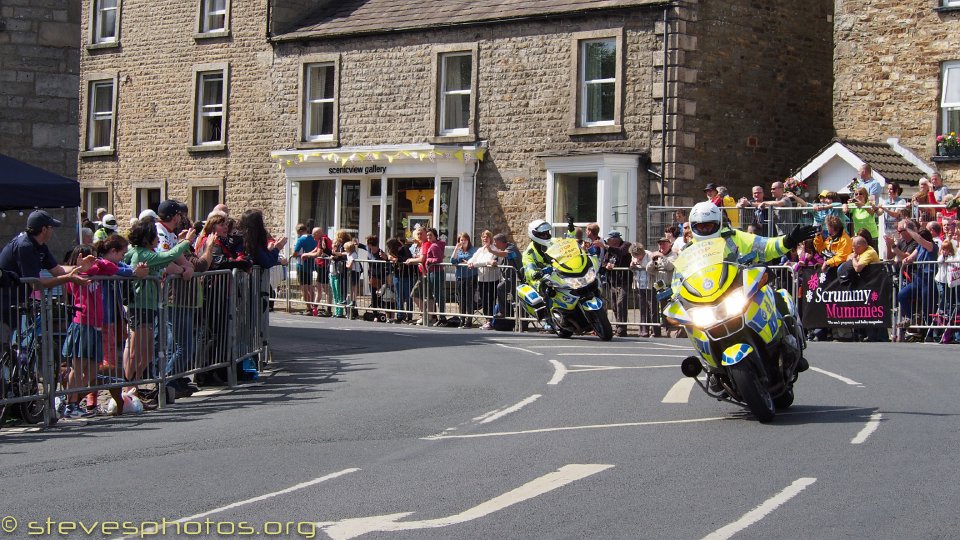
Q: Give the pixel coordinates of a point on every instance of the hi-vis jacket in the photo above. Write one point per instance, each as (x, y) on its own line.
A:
(533, 261)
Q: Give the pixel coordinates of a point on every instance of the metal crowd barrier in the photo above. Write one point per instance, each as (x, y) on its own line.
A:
(926, 303)
(74, 341)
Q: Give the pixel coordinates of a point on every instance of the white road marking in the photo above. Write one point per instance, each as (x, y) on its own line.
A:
(576, 428)
(582, 368)
(255, 499)
(352, 528)
(640, 355)
(761, 511)
(519, 349)
(841, 378)
(594, 346)
(680, 392)
(872, 424)
(559, 372)
(500, 413)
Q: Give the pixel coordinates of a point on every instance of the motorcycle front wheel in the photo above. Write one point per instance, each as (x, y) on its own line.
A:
(752, 391)
(601, 325)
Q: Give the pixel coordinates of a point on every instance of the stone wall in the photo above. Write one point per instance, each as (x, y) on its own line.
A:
(155, 64)
(887, 64)
(39, 74)
(525, 74)
(753, 81)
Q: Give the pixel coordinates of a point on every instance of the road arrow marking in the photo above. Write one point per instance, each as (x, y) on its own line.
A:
(352, 528)
(559, 372)
(574, 428)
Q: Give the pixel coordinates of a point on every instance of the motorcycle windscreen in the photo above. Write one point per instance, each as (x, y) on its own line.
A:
(567, 253)
(706, 275)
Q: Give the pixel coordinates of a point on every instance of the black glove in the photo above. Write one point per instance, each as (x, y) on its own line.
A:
(798, 235)
(570, 225)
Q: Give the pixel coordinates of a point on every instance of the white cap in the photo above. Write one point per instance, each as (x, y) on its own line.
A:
(148, 213)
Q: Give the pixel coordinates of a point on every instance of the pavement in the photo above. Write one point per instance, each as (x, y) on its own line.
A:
(378, 431)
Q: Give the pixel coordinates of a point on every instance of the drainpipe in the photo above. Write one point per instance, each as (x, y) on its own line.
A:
(663, 125)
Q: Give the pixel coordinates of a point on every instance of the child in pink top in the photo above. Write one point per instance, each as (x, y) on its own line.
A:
(83, 345)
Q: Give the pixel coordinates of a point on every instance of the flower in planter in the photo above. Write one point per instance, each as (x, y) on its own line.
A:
(948, 144)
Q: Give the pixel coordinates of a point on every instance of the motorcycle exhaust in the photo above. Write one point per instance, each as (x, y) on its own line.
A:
(691, 366)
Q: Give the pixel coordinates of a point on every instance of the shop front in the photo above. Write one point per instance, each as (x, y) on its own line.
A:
(385, 190)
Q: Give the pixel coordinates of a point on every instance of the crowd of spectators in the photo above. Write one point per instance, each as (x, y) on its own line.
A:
(115, 327)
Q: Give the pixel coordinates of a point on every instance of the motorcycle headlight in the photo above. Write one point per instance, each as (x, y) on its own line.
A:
(580, 282)
(735, 303)
(703, 317)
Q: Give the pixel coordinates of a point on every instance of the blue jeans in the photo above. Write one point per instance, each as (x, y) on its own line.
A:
(403, 287)
(180, 322)
(919, 294)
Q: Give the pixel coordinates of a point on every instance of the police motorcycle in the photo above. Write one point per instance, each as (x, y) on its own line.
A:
(572, 284)
(748, 335)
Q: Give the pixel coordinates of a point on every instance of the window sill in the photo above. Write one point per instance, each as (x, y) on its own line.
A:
(101, 46)
(452, 139)
(201, 36)
(946, 159)
(306, 145)
(207, 148)
(97, 153)
(947, 9)
(595, 130)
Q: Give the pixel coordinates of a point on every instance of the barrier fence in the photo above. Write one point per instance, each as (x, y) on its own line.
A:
(67, 343)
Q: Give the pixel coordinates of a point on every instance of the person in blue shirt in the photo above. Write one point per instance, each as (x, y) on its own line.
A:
(466, 278)
(305, 265)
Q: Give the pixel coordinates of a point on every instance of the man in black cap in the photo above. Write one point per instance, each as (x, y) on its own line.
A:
(713, 194)
(617, 263)
(25, 257)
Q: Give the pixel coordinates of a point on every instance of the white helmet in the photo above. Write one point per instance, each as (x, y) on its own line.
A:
(539, 231)
(705, 221)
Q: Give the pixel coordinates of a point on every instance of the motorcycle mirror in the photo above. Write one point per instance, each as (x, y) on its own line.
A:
(691, 366)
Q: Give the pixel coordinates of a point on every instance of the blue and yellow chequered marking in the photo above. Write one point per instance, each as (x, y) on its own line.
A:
(702, 343)
(593, 304)
(735, 353)
(762, 316)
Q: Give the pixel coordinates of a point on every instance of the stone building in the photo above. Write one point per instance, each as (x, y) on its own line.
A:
(376, 115)
(897, 71)
(39, 70)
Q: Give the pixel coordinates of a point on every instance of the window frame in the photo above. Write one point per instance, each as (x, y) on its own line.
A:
(90, 80)
(606, 166)
(89, 190)
(460, 135)
(444, 92)
(200, 72)
(578, 124)
(304, 140)
(950, 3)
(195, 186)
(944, 105)
(136, 189)
(96, 41)
(201, 17)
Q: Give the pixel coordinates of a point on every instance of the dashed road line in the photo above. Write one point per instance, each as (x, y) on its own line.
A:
(761, 511)
(576, 428)
(872, 424)
(635, 355)
(840, 378)
(500, 413)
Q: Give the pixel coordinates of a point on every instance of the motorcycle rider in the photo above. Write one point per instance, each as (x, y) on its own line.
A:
(706, 222)
(537, 264)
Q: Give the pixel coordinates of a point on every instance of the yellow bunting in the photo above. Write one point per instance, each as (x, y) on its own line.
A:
(458, 154)
(344, 161)
(376, 155)
(390, 158)
(480, 153)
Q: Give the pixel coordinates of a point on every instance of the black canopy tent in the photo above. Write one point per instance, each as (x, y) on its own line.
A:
(25, 186)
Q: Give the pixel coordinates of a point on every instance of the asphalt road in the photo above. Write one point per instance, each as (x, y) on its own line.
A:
(379, 431)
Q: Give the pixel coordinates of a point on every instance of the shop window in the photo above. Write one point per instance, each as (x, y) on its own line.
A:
(105, 21)
(350, 206)
(598, 189)
(950, 97)
(447, 223)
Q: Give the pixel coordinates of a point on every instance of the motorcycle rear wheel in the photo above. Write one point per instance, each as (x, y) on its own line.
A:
(752, 391)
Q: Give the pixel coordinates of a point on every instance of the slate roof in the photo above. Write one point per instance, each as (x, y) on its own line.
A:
(353, 17)
(886, 161)
(881, 157)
